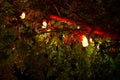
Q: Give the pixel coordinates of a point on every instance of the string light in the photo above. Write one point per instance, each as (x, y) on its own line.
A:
(22, 16)
(91, 40)
(14, 47)
(78, 27)
(84, 41)
(44, 24)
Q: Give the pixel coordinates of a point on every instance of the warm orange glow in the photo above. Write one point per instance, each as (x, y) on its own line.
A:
(90, 40)
(84, 41)
(22, 16)
(66, 39)
(44, 24)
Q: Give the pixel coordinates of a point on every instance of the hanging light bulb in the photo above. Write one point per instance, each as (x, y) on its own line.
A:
(22, 16)
(14, 47)
(44, 24)
(78, 27)
(84, 41)
(91, 40)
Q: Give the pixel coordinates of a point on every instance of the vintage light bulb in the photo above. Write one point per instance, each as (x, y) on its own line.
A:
(91, 40)
(84, 41)
(78, 27)
(44, 24)
(22, 16)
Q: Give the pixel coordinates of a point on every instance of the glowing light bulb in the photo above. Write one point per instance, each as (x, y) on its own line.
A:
(84, 41)
(22, 16)
(44, 24)
(78, 27)
(90, 40)
(14, 47)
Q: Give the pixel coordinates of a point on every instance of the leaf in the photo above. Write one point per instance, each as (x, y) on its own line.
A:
(21, 6)
(1, 45)
(10, 11)
(7, 4)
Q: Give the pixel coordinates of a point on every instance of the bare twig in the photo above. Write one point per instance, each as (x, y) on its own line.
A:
(56, 9)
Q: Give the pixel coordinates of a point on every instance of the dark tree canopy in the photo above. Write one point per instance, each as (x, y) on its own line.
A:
(98, 14)
(59, 39)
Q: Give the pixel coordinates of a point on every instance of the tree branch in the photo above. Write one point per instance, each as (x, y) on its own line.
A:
(56, 8)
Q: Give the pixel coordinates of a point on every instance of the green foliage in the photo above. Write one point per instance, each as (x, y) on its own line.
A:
(43, 54)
